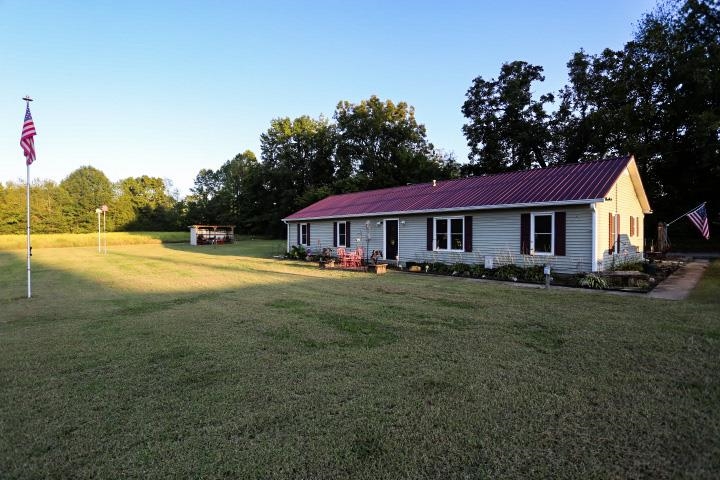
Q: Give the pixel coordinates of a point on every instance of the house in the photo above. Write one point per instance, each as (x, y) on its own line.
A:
(575, 218)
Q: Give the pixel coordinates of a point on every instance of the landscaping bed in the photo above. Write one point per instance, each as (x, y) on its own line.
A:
(637, 277)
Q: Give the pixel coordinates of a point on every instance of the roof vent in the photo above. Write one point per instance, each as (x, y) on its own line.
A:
(434, 183)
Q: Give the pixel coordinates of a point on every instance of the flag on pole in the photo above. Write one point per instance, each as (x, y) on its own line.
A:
(699, 218)
(26, 139)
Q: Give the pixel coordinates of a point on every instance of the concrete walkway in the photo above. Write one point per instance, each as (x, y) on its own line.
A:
(679, 285)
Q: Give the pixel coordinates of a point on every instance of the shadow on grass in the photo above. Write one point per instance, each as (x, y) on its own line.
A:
(244, 247)
(251, 368)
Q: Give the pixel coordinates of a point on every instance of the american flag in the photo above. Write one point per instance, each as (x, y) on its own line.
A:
(699, 218)
(26, 139)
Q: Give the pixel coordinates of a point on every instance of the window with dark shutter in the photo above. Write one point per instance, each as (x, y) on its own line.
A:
(430, 234)
(525, 234)
(560, 233)
(468, 233)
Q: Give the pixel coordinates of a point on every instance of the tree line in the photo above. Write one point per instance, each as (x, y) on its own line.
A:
(140, 203)
(657, 98)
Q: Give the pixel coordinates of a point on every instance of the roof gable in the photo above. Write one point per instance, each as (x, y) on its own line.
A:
(572, 183)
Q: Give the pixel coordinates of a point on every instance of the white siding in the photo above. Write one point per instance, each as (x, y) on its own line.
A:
(621, 200)
(496, 234)
(321, 234)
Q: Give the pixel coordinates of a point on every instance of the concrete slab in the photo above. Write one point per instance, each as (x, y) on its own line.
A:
(679, 285)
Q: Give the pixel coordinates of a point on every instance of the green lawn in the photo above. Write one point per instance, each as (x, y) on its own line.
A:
(171, 361)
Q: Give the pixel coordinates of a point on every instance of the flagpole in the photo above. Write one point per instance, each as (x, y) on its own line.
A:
(685, 214)
(27, 195)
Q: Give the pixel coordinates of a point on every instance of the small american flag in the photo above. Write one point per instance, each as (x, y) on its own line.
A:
(699, 218)
(26, 139)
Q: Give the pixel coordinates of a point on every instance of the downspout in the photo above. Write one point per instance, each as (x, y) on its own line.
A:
(593, 229)
(287, 236)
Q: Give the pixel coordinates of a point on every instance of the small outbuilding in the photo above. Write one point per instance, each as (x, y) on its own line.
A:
(582, 217)
(211, 234)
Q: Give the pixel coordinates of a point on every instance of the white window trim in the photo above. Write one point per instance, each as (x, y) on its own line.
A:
(449, 234)
(304, 226)
(552, 233)
(337, 238)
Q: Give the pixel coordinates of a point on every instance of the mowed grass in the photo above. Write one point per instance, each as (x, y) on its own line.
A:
(171, 361)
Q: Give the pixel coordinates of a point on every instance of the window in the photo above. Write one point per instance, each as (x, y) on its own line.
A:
(541, 233)
(342, 234)
(449, 233)
(304, 227)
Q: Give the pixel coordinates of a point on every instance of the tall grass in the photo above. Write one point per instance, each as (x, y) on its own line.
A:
(53, 240)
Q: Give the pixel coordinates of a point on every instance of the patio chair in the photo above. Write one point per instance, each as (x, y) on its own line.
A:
(343, 256)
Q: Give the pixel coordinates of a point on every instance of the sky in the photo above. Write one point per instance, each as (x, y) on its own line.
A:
(167, 88)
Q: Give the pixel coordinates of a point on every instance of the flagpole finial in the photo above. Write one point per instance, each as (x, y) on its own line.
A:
(27, 98)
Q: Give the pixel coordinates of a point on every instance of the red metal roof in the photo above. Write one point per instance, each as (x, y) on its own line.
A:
(572, 183)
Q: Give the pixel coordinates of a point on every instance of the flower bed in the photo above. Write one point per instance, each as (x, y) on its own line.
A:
(637, 277)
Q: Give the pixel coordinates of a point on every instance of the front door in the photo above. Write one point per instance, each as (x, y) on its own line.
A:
(391, 240)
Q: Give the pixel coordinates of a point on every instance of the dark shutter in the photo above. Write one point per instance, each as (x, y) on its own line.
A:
(348, 238)
(298, 235)
(468, 233)
(632, 226)
(560, 233)
(308, 234)
(611, 233)
(525, 233)
(334, 234)
(430, 234)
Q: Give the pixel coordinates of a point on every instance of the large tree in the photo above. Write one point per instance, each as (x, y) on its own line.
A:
(298, 156)
(507, 129)
(658, 98)
(144, 203)
(88, 188)
(381, 144)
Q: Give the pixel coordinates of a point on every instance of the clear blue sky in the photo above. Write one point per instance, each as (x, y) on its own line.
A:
(166, 88)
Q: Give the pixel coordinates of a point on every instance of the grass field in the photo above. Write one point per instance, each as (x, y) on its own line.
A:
(56, 240)
(171, 361)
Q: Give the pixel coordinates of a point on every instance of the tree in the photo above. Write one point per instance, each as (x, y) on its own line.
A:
(657, 98)
(88, 188)
(144, 203)
(297, 155)
(507, 129)
(382, 145)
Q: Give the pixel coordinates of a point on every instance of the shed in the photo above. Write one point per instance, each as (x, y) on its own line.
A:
(211, 234)
(575, 218)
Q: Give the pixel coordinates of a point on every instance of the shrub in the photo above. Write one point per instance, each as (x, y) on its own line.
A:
(297, 252)
(534, 274)
(460, 269)
(508, 272)
(592, 280)
(629, 266)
